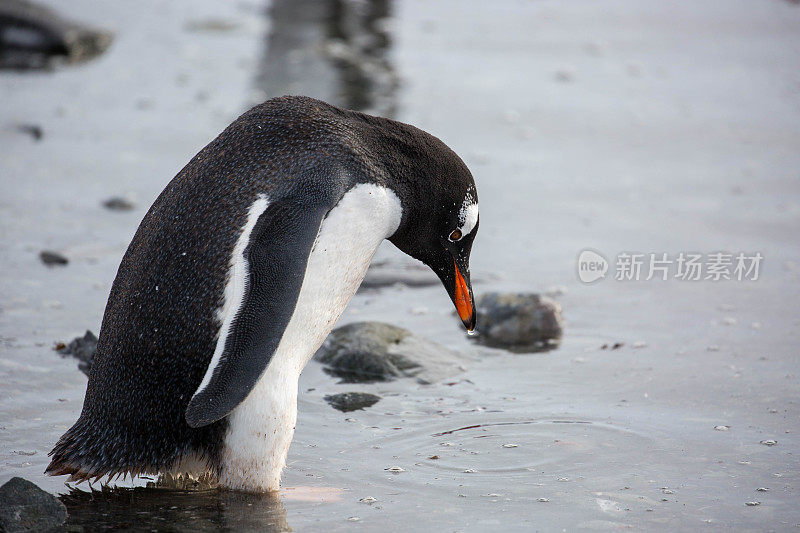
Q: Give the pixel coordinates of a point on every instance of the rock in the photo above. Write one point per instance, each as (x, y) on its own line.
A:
(34, 130)
(394, 272)
(389, 274)
(32, 36)
(117, 203)
(366, 352)
(521, 322)
(26, 507)
(52, 258)
(351, 401)
(82, 349)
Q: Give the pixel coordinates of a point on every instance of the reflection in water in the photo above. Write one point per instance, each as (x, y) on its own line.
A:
(149, 509)
(334, 50)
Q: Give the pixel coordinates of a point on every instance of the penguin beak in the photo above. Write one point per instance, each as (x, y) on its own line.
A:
(462, 297)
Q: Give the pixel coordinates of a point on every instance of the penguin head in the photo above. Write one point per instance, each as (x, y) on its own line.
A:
(438, 227)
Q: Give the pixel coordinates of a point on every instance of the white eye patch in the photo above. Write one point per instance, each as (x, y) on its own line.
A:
(468, 215)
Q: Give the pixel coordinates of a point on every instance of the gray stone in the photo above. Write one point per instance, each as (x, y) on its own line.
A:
(366, 352)
(351, 401)
(386, 274)
(52, 258)
(521, 322)
(26, 507)
(82, 349)
(32, 36)
(117, 203)
(34, 130)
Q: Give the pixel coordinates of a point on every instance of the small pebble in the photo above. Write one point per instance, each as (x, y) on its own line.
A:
(34, 130)
(118, 203)
(353, 518)
(752, 504)
(769, 442)
(762, 489)
(722, 428)
(52, 258)
(368, 499)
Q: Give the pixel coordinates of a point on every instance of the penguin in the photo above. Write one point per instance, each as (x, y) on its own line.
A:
(237, 274)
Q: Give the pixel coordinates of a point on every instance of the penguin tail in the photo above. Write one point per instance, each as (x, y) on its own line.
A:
(78, 455)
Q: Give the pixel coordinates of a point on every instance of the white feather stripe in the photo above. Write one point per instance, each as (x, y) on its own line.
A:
(234, 287)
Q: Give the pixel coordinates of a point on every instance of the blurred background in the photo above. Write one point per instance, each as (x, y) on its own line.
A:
(620, 126)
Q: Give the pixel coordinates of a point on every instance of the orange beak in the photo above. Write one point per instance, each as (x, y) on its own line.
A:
(463, 301)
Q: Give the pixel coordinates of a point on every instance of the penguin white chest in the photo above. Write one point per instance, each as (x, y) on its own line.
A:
(261, 427)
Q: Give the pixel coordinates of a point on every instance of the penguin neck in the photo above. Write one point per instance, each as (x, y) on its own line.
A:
(261, 428)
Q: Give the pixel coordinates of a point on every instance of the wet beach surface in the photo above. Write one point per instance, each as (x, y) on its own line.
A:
(618, 126)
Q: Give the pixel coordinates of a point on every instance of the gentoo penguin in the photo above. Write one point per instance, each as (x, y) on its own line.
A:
(237, 274)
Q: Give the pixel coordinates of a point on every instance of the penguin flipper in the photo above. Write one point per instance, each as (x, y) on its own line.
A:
(277, 255)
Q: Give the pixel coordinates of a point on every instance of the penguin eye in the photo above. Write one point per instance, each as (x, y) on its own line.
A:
(455, 235)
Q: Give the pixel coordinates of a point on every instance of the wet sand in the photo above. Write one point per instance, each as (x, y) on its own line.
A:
(617, 126)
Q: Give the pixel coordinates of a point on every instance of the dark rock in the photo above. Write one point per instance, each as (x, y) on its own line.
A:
(26, 507)
(387, 274)
(118, 203)
(615, 346)
(392, 272)
(34, 130)
(520, 322)
(82, 349)
(360, 353)
(52, 258)
(366, 352)
(32, 36)
(351, 401)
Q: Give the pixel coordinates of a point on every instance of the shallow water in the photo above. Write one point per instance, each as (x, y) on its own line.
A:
(617, 126)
